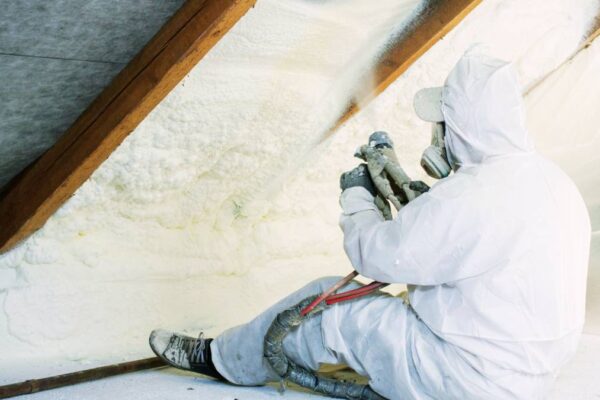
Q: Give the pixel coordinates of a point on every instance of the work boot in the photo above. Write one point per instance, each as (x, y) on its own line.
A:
(184, 352)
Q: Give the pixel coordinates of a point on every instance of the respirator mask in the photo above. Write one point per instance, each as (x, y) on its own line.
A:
(435, 158)
(428, 106)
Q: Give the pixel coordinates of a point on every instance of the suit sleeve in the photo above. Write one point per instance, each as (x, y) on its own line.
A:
(429, 242)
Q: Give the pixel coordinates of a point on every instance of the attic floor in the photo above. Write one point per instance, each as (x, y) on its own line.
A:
(578, 381)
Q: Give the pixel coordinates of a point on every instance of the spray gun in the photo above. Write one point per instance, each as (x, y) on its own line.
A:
(392, 183)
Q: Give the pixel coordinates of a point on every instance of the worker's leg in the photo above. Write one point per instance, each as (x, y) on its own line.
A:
(238, 352)
(373, 335)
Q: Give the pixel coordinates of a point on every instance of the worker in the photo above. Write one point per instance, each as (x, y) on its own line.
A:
(495, 258)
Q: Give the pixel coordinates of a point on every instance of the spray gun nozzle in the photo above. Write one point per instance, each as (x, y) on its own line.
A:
(380, 139)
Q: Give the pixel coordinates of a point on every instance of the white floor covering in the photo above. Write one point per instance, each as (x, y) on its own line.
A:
(580, 380)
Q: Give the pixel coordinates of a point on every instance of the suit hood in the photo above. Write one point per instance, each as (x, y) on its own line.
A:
(484, 111)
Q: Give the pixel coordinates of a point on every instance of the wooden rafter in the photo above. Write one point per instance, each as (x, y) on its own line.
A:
(587, 42)
(31, 198)
(434, 22)
(592, 36)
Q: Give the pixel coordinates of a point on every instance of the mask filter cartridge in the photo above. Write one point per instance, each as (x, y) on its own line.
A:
(434, 159)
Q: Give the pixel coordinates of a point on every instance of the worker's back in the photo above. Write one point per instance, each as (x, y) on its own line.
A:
(526, 309)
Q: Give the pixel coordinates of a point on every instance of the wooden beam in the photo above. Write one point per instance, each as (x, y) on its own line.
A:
(433, 22)
(593, 36)
(74, 378)
(33, 196)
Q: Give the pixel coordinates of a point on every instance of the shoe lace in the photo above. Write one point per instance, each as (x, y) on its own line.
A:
(192, 348)
(196, 348)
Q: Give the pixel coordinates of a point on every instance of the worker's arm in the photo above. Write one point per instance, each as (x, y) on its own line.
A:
(424, 245)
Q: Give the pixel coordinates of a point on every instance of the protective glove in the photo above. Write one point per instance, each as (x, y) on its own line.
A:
(359, 176)
(419, 186)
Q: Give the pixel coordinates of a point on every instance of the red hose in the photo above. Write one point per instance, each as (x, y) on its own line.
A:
(364, 288)
(356, 293)
(340, 284)
(331, 298)
(346, 298)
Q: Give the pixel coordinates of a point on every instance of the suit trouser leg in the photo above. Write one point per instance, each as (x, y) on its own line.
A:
(373, 335)
(238, 352)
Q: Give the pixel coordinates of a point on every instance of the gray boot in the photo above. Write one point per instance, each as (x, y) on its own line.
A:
(184, 352)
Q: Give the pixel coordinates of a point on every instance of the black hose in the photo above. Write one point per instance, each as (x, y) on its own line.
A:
(288, 370)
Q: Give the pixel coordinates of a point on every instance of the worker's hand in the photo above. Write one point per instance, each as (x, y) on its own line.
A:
(359, 176)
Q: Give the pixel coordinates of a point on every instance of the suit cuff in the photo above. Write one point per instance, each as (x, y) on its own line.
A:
(356, 199)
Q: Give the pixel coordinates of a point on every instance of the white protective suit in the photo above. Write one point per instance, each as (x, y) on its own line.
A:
(495, 257)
